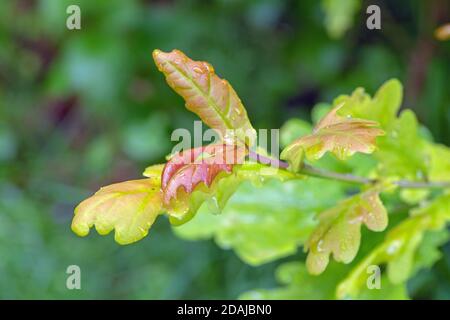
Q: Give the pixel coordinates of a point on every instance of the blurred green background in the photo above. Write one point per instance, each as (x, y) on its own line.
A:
(84, 108)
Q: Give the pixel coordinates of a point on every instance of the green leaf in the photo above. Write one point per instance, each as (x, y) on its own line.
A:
(439, 169)
(299, 284)
(382, 108)
(129, 207)
(342, 136)
(211, 98)
(267, 223)
(400, 249)
(339, 15)
(339, 229)
(428, 251)
(402, 133)
(402, 152)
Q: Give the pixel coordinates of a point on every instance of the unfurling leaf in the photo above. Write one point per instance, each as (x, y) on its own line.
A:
(210, 97)
(343, 136)
(188, 169)
(129, 207)
(400, 247)
(222, 188)
(339, 229)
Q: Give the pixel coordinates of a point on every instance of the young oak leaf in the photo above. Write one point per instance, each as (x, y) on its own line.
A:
(196, 168)
(339, 229)
(210, 97)
(401, 246)
(129, 207)
(340, 135)
(221, 189)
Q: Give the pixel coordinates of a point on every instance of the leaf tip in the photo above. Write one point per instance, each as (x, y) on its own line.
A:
(80, 229)
(160, 56)
(156, 54)
(316, 263)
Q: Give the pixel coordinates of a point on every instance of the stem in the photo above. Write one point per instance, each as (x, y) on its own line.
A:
(266, 160)
(345, 177)
(422, 184)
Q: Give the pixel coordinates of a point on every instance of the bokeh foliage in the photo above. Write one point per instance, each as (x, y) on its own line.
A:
(85, 108)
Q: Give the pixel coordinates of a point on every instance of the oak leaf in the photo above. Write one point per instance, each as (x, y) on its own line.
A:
(401, 246)
(343, 136)
(129, 207)
(339, 229)
(210, 97)
(188, 169)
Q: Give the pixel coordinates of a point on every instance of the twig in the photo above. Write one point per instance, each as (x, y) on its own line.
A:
(345, 177)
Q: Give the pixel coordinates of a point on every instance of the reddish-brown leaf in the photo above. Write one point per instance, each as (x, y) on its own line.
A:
(340, 135)
(189, 168)
(210, 97)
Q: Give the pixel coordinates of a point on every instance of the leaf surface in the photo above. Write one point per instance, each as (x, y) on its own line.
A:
(401, 247)
(402, 152)
(210, 97)
(129, 207)
(188, 169)
(340, 135)
(297, 283)
(382, 108)
(339, 229)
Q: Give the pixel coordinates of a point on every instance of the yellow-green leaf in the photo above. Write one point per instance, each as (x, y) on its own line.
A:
(210, 97)
(400, 246)
(129, 207)
(154, 171)
(339, 229)
(439, 162)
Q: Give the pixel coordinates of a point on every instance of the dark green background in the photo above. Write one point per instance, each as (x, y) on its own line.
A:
(84, 108)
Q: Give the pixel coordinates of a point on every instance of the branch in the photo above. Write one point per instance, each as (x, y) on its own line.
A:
(345, 177)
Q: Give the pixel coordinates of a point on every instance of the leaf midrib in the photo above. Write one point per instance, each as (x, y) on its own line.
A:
(211, 103)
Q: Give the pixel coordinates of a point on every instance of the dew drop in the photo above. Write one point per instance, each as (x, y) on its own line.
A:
(319, 246)
(393, 247)
(213, 205)
(197, 70)
(419, 175)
